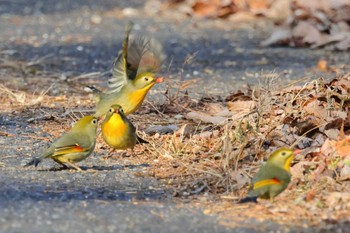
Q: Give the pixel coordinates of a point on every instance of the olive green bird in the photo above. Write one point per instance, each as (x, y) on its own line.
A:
(117, 131)
(74, 146)
(133, 75)
(273, 177)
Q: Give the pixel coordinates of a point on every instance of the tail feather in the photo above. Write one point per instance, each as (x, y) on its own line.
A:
(141, 141)
(92, 89)
(248, 199)
(34, 161)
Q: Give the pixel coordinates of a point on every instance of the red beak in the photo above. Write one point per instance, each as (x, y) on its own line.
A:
(297, 151)
(159, 79)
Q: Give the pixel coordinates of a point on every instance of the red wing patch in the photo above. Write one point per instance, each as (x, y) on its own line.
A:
(68, 150)
(266, 182)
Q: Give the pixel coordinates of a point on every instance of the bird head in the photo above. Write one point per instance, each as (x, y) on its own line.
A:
(88, 123)
(114, 109)
(282, 157)
(146, 80)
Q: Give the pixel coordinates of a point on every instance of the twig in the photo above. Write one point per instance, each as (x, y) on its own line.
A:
(6, 134)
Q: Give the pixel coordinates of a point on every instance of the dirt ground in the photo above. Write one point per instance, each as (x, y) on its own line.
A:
(49, 51)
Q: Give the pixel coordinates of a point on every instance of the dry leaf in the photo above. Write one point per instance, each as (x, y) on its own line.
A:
(322, 65)
(342, 147)
(218, 110)
(184, 132)
(281, 35)
(206, 8)
(161, 129)
(201, 116)
(345, 173)
(308, 32)
(241, 106)
(332, 133)
(316, 109)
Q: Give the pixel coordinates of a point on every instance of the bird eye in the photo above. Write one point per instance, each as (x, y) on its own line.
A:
(94, 121)
(146, 79)
(284, 153)
(111, 110)
(121, 110)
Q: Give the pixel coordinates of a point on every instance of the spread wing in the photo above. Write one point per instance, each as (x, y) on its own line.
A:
(120, 66)
(152, 56)
(138, 55)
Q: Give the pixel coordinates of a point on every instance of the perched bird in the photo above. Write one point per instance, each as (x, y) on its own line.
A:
(117, 131)
(133, 75)
(73, 146)
(273, 177)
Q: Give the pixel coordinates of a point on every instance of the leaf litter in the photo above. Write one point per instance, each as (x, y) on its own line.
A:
(212, 147)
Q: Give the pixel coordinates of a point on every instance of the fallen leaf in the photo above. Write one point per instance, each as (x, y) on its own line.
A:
(345, 173)
(282, 35)
(216, 109)
(239, 106)
(201, 116)
(322, 65)
(161, 129)
(206, 8)
(185, 131)
(308, 32)
(332, 133)
(342, 147)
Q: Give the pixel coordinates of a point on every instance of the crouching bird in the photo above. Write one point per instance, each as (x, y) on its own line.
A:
(74, 146)
(273, 177)
(117, 131)
(133, 75)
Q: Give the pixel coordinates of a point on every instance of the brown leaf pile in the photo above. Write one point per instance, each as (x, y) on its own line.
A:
(219, 145)
(312, 23)
(316, 23)
(237, 9)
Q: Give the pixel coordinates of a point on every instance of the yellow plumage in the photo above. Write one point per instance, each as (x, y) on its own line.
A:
(117, 131)
(133, 75)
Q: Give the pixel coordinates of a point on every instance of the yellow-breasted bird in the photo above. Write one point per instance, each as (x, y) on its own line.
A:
(117, 131)
(133, 75)
(273, 177)
(74, 146)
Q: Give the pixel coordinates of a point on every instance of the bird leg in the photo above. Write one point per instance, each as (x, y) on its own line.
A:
(129, 152)
(74, 166)
(109, 154)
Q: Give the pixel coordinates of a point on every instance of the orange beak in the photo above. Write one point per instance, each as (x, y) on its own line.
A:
(159, 79)
(297, 151)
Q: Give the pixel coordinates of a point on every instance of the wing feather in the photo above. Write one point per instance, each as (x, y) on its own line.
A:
(139, 55)
(68, 150)
(120, 66)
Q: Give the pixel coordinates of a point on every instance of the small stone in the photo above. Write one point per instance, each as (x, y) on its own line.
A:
(96, 19)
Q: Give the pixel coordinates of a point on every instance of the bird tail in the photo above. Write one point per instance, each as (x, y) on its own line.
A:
(92, 89)
(97, 92)
(249, 199)
(141, 141)
(34, 161)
